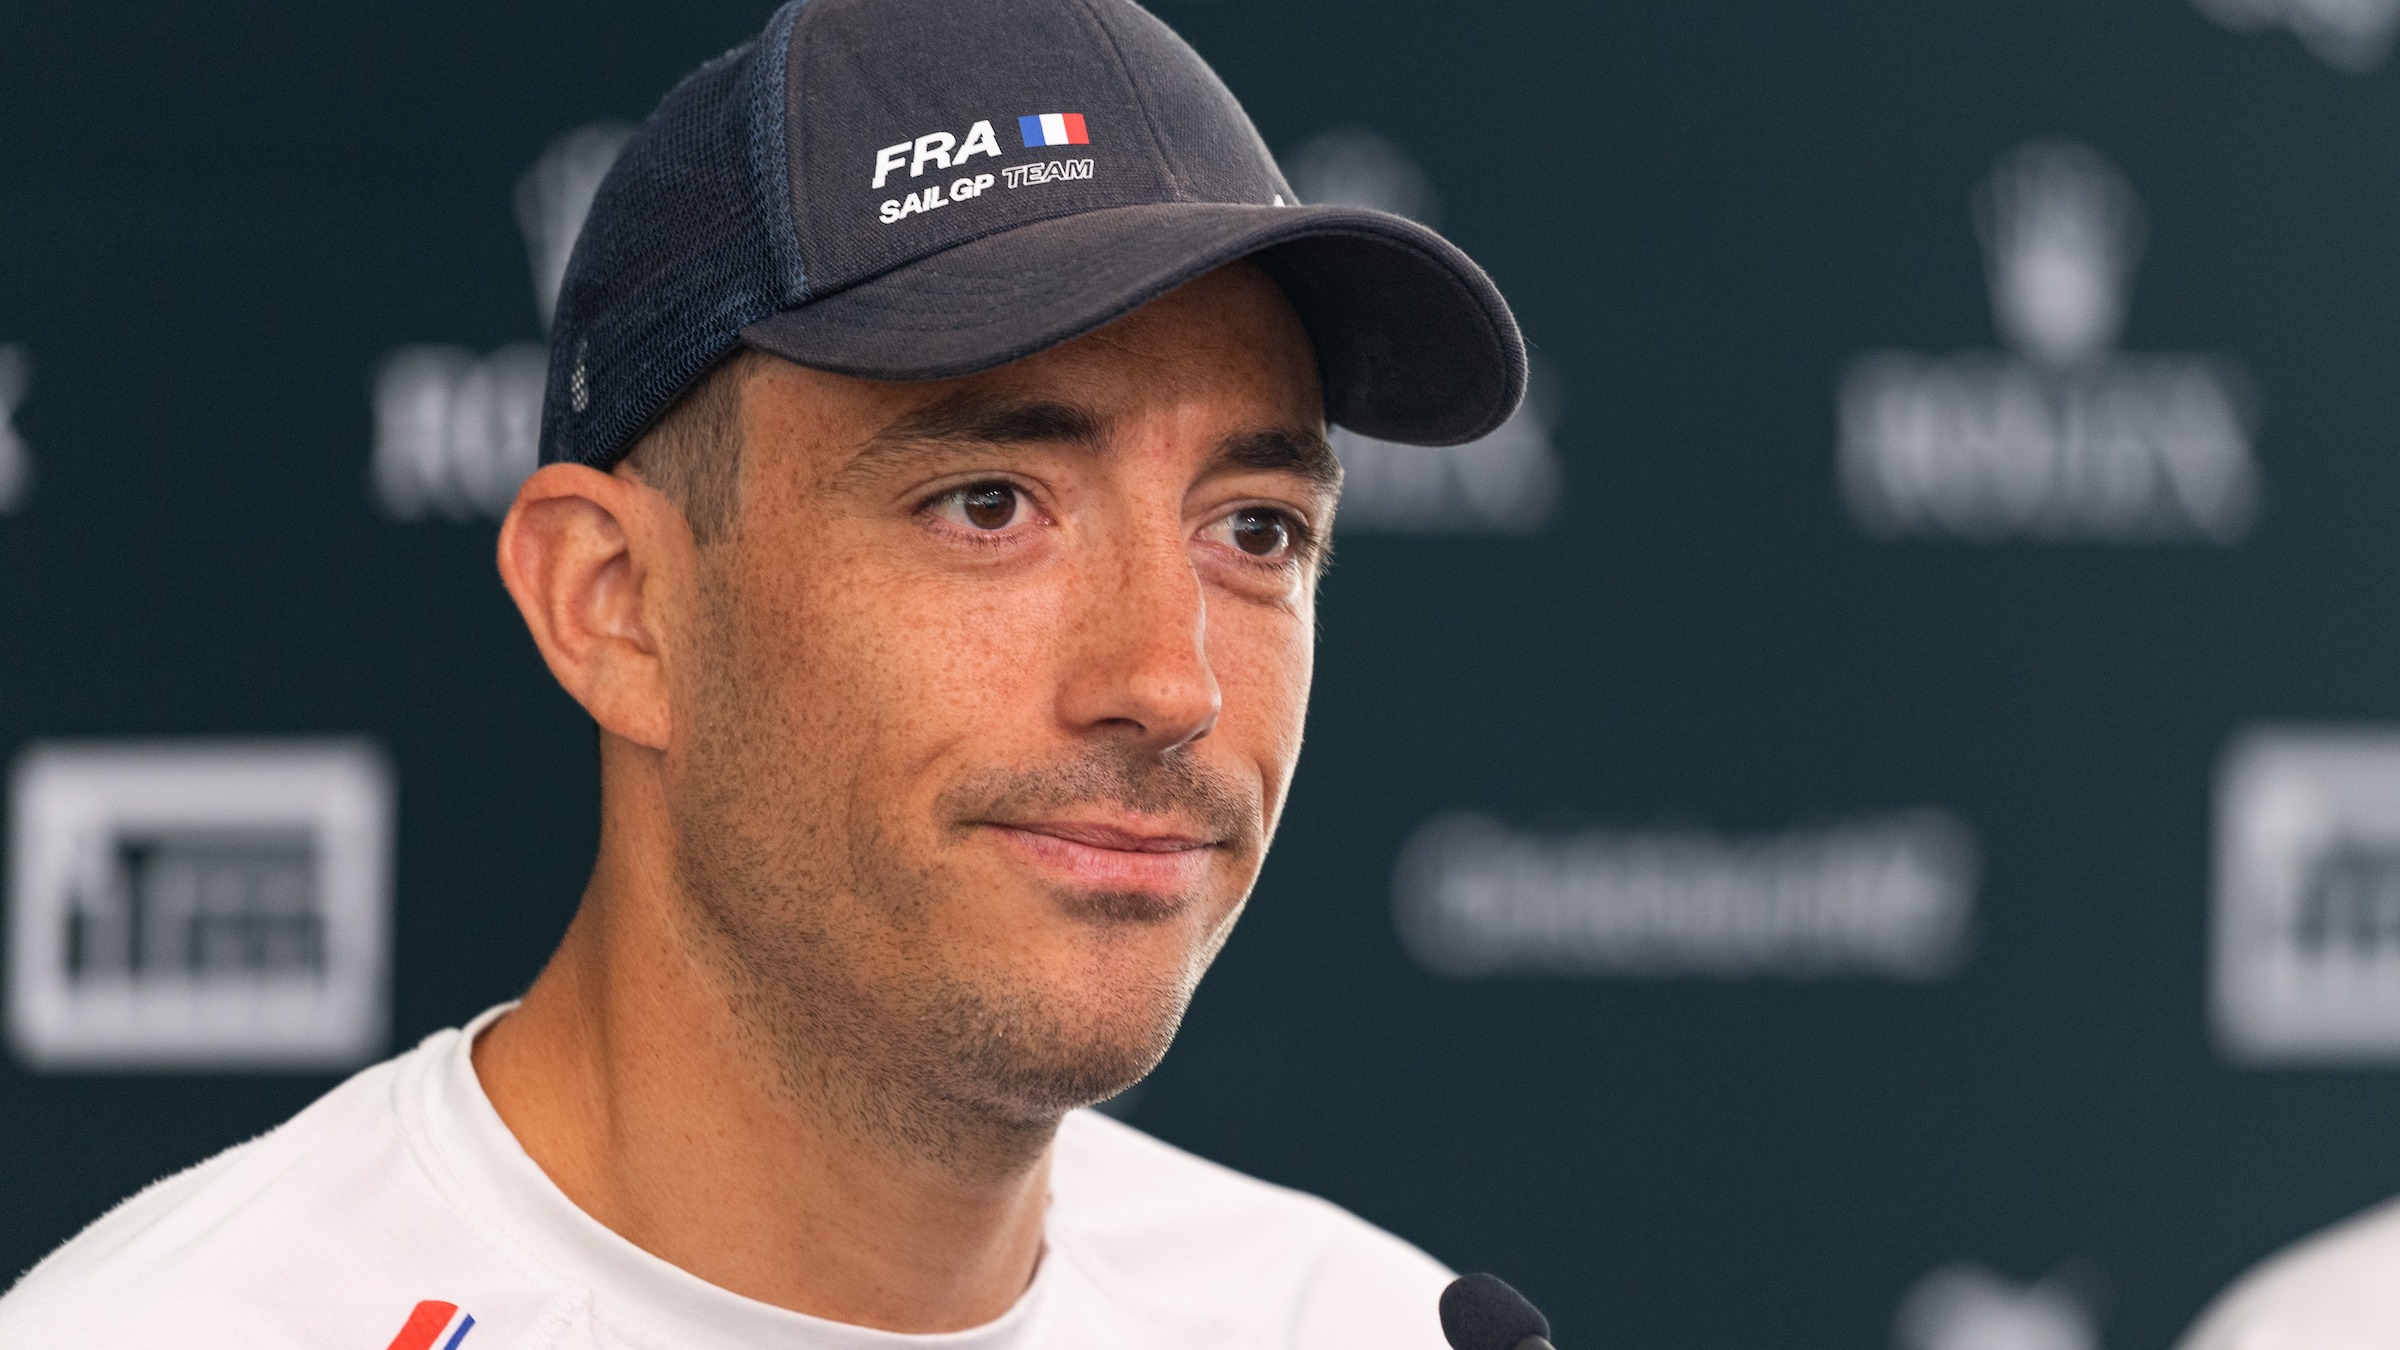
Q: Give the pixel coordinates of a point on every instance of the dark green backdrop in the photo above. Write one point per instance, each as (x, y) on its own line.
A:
(216, 217)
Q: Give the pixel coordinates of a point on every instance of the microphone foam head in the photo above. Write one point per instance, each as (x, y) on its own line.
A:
(1480, 1312)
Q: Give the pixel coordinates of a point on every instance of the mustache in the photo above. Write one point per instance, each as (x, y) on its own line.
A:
(1128, 778)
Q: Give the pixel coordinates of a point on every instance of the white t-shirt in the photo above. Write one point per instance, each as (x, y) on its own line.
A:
(2338, 1290)
(398, 1211)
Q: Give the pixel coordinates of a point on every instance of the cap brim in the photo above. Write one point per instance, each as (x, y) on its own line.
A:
(1414, 343)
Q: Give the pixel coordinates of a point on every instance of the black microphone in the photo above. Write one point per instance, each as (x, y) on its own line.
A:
(1480, 1312)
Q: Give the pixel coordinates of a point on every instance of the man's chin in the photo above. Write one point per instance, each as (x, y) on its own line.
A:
(1037, 1068)
(1044, 1104)
(1147, 909)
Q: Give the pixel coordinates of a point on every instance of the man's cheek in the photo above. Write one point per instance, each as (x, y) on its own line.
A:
(933, 684)
(986, 645)
(1263, 665)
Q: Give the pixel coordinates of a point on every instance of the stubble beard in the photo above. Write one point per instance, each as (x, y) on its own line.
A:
(822, 930)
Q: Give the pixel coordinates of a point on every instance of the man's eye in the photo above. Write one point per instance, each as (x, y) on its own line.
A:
(1261, 532)
(982, 506)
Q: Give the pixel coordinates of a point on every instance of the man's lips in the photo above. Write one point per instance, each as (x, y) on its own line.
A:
(1101, 834)
(1100, 855)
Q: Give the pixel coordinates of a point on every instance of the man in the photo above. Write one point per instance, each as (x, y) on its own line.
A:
(935, 489)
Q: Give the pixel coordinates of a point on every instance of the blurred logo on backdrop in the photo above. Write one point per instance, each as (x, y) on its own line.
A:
(16, 461)
(457, 431)
(1505, 483)
(2305, 932)
(1890, 896)
(2349, 35)
(199, 904)
(1964, 1306)
(2061, 438)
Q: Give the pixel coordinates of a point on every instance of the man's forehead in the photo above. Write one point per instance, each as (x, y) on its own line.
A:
(1225, 356)
(971, 418)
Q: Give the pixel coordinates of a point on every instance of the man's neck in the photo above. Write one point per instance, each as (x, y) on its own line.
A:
(626, 1076)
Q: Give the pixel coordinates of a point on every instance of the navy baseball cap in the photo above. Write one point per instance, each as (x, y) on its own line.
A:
(920, 189)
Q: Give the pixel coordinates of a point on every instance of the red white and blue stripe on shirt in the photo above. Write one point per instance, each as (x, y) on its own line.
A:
(424, 1328)
(1040, 129)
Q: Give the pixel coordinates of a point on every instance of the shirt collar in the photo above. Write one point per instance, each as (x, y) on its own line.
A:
(443, 1104)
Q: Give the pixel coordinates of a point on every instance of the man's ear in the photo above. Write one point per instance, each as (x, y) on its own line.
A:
(600, 564)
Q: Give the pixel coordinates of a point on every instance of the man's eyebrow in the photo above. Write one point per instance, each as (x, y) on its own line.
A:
(973, 418)
(1284, 450)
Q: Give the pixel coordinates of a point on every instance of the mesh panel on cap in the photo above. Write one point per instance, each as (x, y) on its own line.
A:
(678, 253)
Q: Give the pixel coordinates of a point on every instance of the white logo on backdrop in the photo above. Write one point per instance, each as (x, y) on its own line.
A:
(1966, 1307)
(456, 432)
(2061, 438)
(2305, 941)
(2349, 35)
(16, 462)
(199, 904)
(555, 195)
(1892, 896)
(1505, 483)
(1352, 166)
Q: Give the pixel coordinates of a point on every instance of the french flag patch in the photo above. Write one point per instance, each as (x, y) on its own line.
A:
(433, 1325)
(1042, 129)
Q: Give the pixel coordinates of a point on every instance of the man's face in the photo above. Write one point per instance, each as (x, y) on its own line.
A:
(993, 699)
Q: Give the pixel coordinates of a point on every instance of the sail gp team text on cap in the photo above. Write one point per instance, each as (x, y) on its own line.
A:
(941, 150)
(926, 189)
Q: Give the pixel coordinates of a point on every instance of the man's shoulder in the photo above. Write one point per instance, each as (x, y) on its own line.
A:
(1161, 1225)
(321, 1231)
(2332, 1291)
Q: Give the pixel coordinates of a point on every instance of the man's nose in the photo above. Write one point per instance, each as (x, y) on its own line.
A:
(1137, 660)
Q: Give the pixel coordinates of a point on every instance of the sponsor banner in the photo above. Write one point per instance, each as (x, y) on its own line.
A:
(199, 904)
(1507, 482)
(16, 461)
(2350, 35)
(457, 432)
(2060, 438)
(2305, 933)
(1890, 897)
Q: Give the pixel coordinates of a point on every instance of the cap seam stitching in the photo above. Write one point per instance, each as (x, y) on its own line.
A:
(774, 180)
(1141, 103)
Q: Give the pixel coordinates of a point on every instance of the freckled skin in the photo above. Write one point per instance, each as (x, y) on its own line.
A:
(851, 947)
(863, 662)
